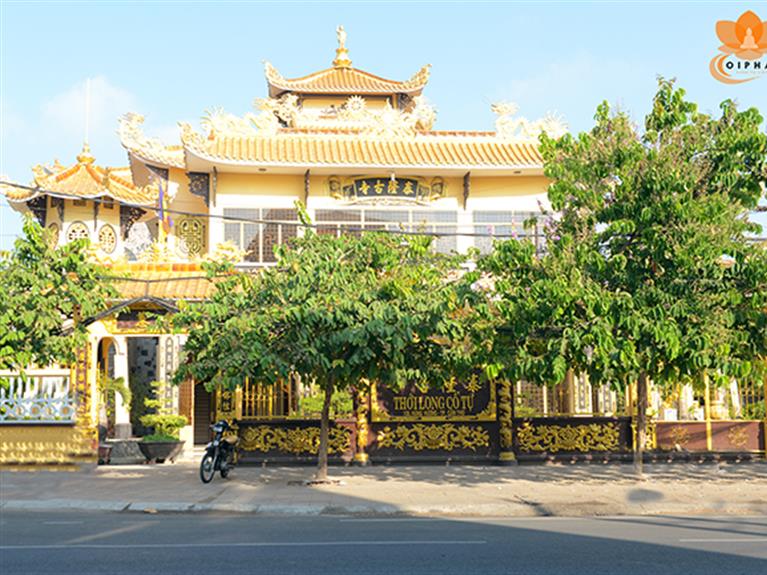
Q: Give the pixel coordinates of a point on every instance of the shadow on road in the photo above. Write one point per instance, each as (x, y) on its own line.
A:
(120, 543)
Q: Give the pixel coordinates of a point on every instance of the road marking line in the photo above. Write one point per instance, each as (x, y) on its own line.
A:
(256, 544)
(726, 540)
(460, 519)
(392, 519)
(63, 522)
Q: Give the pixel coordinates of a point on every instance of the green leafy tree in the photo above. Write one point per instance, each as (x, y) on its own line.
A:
(336, 311)
(649, 275)
(44, 290)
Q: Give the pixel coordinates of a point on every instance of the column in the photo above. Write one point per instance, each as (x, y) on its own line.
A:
(123, 428)
(465, 225)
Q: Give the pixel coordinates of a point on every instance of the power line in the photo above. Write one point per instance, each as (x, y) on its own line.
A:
(324, 226)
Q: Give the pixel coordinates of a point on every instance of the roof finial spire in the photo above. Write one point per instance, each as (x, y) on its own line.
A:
(342, 54)
(85, 156)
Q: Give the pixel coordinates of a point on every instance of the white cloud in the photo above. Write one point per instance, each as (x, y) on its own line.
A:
(575, 85)
(65, 112)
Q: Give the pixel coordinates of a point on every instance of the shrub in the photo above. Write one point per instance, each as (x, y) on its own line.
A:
(163, 421)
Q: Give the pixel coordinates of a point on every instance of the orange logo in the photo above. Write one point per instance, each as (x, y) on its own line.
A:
(744, 42)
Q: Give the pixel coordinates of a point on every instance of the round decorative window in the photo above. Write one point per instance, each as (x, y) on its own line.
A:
(77, 231)
(53, 231)
(107, 239)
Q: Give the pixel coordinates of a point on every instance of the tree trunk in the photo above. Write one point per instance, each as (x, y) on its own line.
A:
(322, 455)
(641, 423)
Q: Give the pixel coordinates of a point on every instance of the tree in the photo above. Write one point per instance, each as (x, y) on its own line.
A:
(334, 311)
(649, 275)
(43, 289)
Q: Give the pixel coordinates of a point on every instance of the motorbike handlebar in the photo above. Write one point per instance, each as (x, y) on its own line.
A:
(224, 424)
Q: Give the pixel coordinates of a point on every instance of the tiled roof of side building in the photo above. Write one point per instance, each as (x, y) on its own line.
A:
(83, 179)
(169, 281)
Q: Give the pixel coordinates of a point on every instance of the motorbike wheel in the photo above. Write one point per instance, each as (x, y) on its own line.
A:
(227, 466)
(207, 468)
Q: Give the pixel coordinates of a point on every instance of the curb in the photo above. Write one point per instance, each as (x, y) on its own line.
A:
(387, 510)
(62, 505)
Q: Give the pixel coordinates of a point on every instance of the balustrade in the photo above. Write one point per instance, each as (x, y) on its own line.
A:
(39, 396)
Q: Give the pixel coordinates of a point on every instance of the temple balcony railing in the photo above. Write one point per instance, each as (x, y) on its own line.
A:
(37, 396)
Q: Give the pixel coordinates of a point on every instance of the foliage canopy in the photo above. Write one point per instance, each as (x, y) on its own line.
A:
(43, 290)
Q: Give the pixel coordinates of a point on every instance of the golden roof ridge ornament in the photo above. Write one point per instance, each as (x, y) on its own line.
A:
(342, 54)
(509, 126)
(85, 156)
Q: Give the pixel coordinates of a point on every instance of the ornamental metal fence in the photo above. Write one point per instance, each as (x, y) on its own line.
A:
(38, 396)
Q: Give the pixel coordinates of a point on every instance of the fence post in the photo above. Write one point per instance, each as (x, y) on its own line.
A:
(505, 424)
(764, 401)
(360, 453)
(707, 411)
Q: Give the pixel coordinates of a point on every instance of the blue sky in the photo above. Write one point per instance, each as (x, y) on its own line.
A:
(173, 60)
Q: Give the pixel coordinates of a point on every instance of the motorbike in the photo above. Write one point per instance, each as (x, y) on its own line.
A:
(219, 453)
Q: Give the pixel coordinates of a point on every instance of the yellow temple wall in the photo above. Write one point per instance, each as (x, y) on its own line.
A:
(185, 200)
(509, 186)
(513, 193)
(234, 188)
(84, 214)
(73, 213)
(252, 190)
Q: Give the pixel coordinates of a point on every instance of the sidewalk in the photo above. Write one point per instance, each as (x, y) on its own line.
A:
(562, 490)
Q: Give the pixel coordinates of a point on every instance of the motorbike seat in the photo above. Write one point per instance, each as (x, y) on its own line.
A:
(230, 439)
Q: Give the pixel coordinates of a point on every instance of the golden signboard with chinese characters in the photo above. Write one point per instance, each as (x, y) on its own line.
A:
(472, 400)
(371, 188)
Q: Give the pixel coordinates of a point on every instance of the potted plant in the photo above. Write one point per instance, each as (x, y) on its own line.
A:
(163, 443)
(107, 388)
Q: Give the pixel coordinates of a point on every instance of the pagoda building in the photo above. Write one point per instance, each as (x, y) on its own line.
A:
(359, 151)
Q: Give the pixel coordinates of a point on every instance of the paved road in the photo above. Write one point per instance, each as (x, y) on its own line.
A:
(115, 543)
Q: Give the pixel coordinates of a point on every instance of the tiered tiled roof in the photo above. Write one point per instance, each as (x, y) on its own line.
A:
(283, 132)
(344, 150)
(83, 180)
(343, 80)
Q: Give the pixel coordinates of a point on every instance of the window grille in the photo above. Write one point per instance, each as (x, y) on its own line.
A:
(107, 239)
(506, 223)
(259, 240)
(332, 221)
(77, 231)
(192, 236)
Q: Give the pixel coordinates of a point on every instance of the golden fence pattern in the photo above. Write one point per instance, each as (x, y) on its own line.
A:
(554, 438)
(264, 401)
(447, 437)
(296, 440)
